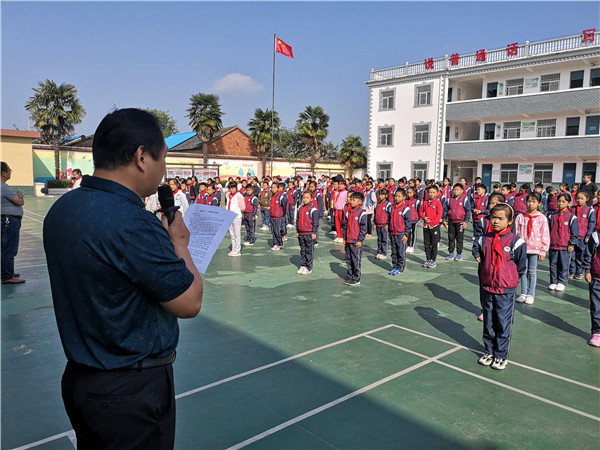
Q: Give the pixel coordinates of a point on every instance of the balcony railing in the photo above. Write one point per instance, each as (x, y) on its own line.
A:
(526, 50)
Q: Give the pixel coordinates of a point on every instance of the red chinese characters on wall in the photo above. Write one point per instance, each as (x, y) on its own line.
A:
(512, 49)
(588, 35)
(480, 55)
(429, 64)
(454, 58)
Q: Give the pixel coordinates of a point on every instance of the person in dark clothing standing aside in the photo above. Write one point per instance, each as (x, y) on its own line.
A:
(589, 187)
(120, 279)
(12, 213)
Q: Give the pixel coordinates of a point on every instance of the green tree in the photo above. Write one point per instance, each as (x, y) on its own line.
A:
(205, 118)
(55, 110)
(353, 153)
(312, 127)
(260, 132)
(168, 125)
(330, 152)
(288, 145)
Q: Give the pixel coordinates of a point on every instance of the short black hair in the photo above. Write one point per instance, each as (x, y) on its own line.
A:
(384, 191)
(433, 187)
(232, 184)
(482, 186)
(5, 167)
(507, 210)
(535, 195)
(501, 198)
(358, 195)
(121, 133)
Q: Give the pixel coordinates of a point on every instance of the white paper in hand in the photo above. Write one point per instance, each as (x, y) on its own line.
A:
(207, 225)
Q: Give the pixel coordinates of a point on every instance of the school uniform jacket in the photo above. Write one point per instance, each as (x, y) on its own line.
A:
(500, 272)
(520, 205)
(586, 219)
(481, 205)
(211, 200)
(564, 230)
(457, 210)
(400, 219)
(251, 206)
(382, 213)
(414, 204)
(356, 225)
(591, 258)
(308, 220)
(278, 205)
(433, 210)
(318, 202)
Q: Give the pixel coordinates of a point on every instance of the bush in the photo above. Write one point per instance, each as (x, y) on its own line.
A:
(60, 184)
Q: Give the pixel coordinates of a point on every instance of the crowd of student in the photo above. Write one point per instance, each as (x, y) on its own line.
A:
(513, 229)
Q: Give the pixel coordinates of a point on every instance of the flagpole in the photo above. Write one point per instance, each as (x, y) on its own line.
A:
(273, 104)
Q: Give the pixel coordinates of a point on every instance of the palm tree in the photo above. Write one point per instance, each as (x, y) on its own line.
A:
(353, 153)
(261, 128)
(55, 110)
(312, 127)
(205, 118)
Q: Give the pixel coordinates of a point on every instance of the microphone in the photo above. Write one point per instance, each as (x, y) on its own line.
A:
(167, 202)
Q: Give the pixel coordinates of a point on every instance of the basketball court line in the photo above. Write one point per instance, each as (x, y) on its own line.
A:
(366, 334)
(533, 369)
(333, 403)
(497, 383)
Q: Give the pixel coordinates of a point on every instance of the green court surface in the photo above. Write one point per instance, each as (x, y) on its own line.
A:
(279, 360)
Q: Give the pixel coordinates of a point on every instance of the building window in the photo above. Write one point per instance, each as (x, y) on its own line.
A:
(386, 100)
(591, 124)
(386, 136)
(492, 89)
(512, 130)
(423, 95)
(419, 169)
(489, 131)
(421, 134)
(447, 134)
(514, 87)
(449, 94)
(595, 77)
(572, 126)
(542, 172)
(546, 128)
(384, 170)
(576, 79)
(550, 82)
(508, 173)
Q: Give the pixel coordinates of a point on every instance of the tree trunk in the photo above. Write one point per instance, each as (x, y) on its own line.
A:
(205, 153)
(56, 160)
(264, 165)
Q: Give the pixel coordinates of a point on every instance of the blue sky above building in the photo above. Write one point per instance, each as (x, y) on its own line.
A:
(158, 54)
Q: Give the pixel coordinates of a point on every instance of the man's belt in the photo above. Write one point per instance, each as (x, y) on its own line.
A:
(149, 363)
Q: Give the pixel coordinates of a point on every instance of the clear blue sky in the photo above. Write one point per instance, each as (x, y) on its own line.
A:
(156, 55)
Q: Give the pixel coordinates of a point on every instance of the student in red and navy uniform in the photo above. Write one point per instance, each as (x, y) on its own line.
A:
(502, 258)
(456, 216)
(249, 219)
(307, 227)
(520, 203)
(354, 235)
(292, 198)
(278, 208)
(591, 265)
(211, 198)
(413, 202)
(596, 207)
(480, 208)
(391, 189)
(399, 226)
(467, 190)
(382, 219)
(447, 189)
(551, 197)
(564, 234)
(586, 219)
(431, 212)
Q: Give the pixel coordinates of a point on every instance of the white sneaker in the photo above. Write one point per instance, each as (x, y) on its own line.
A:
(383, 257)
(560, 287)
(301, 269)
(234, 254)
(289, 225)
(410, 249)
(306, 271)
(264, 228)
(285, 238)
(275, 248)
(552, 287)
(333, 232)
(529, 300)
(230, 253)
(521, 298)
(246, 244)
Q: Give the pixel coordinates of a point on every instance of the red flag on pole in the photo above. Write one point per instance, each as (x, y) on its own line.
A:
(283, 48)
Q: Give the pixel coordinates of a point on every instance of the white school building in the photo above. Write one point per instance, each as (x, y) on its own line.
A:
(523, 113)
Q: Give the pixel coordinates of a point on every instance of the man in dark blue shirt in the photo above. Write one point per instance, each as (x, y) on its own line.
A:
(120, 279)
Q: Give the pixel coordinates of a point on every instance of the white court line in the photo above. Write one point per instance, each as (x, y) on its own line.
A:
(497, 383)
(36, 214)
(68, 434)
(514, 363)
(281, 361)
(31, 218)
(28, 267)
(333, 403)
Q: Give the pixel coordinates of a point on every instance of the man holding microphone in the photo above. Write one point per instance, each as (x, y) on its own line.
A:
(120, 279)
